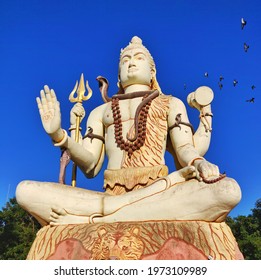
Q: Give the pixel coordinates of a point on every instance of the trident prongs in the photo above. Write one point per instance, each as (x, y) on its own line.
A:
(80, 90)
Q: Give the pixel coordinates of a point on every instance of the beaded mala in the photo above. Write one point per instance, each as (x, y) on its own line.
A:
(212, 181)
(141, 115)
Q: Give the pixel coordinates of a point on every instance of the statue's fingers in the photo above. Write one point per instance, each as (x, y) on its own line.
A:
(39, 104)
(46, 89)
(213, 170)
(82, 111)
(49, 101)
(195, 104)
(57, 106)
(78, 104)
(189, 172)
(217, 172)
(204, 171)
(53, 96)
(79, 108)
(79, 112)
(199, 176)
(44, 101)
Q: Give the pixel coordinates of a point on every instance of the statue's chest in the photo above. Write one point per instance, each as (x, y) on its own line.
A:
(124, 111)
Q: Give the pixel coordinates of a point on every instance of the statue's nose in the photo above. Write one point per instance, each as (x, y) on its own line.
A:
(132, 62)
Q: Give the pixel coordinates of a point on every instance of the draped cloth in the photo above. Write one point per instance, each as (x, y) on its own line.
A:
(127, 179)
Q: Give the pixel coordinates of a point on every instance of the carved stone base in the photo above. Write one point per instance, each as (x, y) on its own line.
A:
(164, 240)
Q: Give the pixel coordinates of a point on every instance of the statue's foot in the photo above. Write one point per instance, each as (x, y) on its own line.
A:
(59, 216)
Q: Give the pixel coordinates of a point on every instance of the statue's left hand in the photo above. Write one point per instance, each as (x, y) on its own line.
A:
(205, 169)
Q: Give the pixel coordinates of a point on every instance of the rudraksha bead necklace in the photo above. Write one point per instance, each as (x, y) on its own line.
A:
(140, 119)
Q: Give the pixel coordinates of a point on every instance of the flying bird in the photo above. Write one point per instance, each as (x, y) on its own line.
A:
(220, 85)
(221, 78)
(206, 74)
(253, 87)
(252, 100)
(235, 82)
(243, 23)
(246, 47)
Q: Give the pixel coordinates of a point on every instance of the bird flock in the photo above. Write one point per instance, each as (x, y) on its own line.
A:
(235, 81)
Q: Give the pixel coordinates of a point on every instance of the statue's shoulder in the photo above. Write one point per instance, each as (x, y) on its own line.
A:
(101, 108)
(97, 113)
(173, 100)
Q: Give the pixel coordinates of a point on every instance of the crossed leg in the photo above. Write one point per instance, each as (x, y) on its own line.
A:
(170, 198)
(54, 203)
(190, 200)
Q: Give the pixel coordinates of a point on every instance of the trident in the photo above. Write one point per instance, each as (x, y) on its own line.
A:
(79, 98)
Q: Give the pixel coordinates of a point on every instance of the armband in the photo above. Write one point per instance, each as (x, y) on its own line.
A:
(73, 127)
(178, 122)
(205, 115)
(62, 141)
(91, 135)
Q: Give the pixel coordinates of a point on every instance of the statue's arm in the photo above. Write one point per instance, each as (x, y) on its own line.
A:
(94, 140)
(202, 135)
(89, 153)
(182, 140)
(180, 132)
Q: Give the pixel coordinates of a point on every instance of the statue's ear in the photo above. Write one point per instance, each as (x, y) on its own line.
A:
(153, 72)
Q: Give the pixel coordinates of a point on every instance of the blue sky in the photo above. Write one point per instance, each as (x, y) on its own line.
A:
(53, 42)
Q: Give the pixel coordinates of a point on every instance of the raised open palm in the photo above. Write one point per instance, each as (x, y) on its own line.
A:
(49, 109)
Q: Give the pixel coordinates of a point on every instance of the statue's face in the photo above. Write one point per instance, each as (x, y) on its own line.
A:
(135, 68)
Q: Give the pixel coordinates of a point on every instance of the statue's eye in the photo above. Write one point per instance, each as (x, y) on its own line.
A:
(139, 57)
(125, 59)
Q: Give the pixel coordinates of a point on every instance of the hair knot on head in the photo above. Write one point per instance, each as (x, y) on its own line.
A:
(136, 40)
(135, 43)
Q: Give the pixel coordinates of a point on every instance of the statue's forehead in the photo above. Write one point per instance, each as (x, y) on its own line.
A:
(133, 51)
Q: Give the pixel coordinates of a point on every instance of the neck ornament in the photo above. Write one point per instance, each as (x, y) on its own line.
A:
(132, 144)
